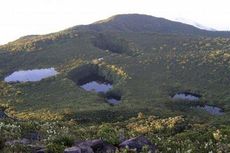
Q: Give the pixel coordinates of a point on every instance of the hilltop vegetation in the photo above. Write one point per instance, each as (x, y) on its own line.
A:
(147, 58)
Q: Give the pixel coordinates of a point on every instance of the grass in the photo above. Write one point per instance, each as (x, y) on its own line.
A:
(153, 74)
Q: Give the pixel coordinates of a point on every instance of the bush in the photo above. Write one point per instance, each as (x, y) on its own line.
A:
(2, 143)
(109, 134)
(64, 140)
(55, 148)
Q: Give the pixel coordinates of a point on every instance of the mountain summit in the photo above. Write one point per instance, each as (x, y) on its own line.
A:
(147, 24)
(142, 23)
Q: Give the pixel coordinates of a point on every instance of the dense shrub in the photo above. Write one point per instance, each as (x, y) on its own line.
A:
(67, 141)
(108, 133)
(2, 142)
(55, 148)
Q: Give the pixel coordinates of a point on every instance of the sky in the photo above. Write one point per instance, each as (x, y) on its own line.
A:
(25, 17)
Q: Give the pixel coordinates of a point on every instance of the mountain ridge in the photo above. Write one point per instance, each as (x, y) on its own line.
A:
(137, 23)
(148, 23)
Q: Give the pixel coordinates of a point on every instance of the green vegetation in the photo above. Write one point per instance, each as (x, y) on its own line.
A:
(146, 67)
(169, 134)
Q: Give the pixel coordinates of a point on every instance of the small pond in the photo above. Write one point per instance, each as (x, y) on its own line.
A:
(99, 84)
(113, 99)
(96, 84)
(213, 110)
(30, 75)
(186, 96)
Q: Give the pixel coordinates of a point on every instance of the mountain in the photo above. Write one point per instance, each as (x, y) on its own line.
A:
(136, 23)
(146, 62)
(141, 23)
(150, 24)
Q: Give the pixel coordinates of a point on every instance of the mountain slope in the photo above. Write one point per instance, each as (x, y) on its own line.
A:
(130, 23)
(160, 58)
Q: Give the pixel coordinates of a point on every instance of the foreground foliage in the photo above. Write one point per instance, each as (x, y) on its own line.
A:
(174, 134)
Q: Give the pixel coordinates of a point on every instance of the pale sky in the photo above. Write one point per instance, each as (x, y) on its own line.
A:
(25, 17)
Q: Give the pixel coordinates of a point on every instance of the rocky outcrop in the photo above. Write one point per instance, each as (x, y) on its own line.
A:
(99, 146)
(2, 114)
(42, 151)
(107, 148)
(91, 146)
(94, 144)
(75, 149)
(138, 144)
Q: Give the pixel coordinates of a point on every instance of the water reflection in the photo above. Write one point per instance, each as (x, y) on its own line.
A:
(30, 75)
(186, 96)
(100, 85)
(97, 86)
(213, 110)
